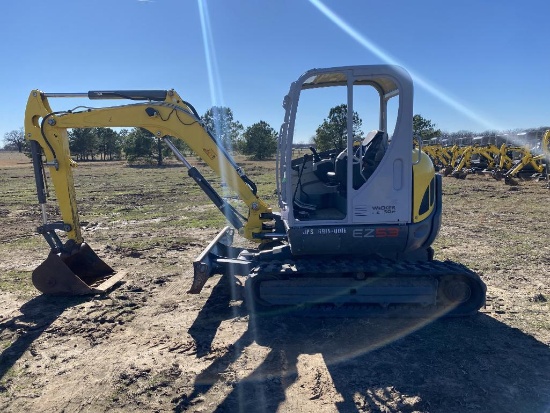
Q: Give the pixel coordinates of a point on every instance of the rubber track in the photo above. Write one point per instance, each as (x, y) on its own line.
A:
(319, 267)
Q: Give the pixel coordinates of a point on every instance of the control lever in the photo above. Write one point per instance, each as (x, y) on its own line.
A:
(316, 157)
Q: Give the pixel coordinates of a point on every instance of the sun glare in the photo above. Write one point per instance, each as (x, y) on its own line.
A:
(216, 95)
(386, 57)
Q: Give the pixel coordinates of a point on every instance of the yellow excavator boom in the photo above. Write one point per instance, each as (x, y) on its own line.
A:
(163, 113)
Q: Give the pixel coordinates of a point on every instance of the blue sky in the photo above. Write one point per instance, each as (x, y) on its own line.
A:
(478, 64)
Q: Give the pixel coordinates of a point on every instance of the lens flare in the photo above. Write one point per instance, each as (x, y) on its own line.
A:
(217, 100)
(216, 95)
(386, 57)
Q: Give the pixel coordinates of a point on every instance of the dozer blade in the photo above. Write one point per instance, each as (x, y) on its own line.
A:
(204, 265)
(219, 258)
(80, 273)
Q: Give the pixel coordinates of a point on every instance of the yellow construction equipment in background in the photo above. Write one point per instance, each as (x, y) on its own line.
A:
(507, 160)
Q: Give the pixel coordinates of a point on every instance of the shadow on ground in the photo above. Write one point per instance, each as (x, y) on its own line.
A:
(36, 316)
(474, 364)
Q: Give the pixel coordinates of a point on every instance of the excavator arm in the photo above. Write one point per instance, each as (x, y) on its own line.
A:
(165, 114)
(546, 145)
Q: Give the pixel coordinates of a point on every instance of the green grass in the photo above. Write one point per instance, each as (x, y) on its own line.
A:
(17, 282)
(4, 344)
(8, 376)
(21, 243)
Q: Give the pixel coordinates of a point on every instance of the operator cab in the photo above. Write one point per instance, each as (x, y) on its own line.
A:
(358, 126)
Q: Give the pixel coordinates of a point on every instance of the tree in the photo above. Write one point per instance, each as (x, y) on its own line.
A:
(180, 145)
(260, 140)
(219, 121)
(109, 143)
(15, 139)
(83, 143)
(424, 128)
(139, 145)
(332, 133)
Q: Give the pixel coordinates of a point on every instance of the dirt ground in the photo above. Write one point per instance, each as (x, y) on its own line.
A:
(148, 346)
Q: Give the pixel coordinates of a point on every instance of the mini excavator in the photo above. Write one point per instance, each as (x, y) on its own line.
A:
(354, 230)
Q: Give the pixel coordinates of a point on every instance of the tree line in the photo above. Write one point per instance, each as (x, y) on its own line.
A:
(258, 140)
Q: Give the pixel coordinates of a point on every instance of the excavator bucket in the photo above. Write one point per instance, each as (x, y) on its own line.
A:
(80, 273)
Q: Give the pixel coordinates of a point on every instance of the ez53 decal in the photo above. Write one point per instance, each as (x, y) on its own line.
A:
(386, 232)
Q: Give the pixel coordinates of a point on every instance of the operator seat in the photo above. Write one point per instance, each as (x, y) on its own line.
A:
(367, 158)
(374, 152)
